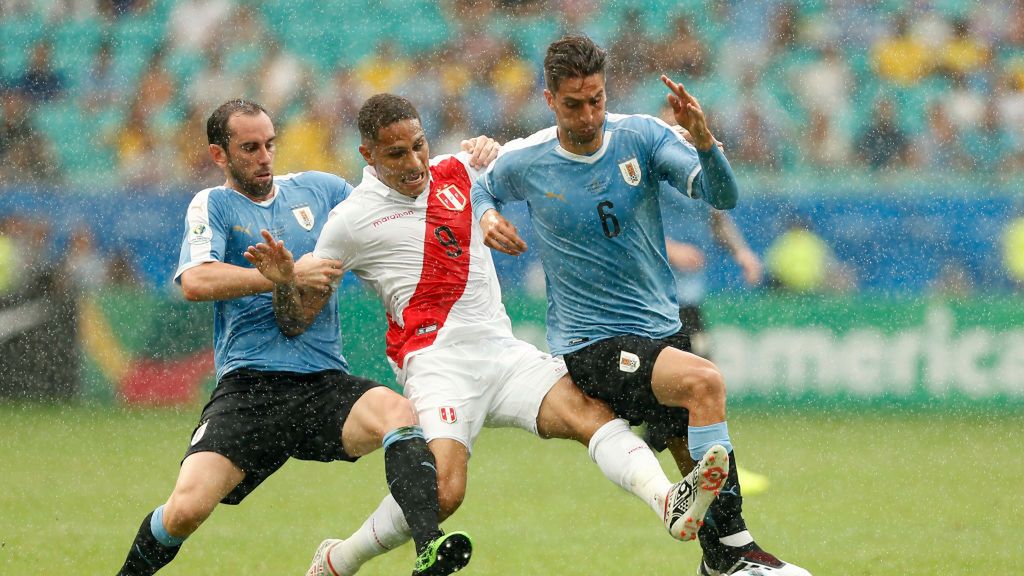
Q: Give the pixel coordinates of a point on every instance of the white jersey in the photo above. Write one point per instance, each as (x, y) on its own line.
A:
(424, 257)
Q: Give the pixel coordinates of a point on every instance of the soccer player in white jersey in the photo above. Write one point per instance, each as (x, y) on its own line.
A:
(408, 231)
(591, 183)
(279, 396)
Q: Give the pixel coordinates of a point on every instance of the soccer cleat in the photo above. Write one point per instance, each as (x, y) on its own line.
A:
(689, 499)
(444, 555)
(753, 562)
(321, 565)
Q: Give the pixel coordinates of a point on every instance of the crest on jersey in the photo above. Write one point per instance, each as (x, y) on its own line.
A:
(305, 216)
(448, 414)
(452, 198)
(630, 171)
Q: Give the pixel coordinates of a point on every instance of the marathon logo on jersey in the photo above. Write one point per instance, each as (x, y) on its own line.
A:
(304, 215)
(630, 171)
(390, 217)
(448, 414)
(200, 234)
(452, 199)
(628, 362)
(426, 329)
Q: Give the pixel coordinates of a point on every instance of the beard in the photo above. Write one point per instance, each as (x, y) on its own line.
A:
(250, 187)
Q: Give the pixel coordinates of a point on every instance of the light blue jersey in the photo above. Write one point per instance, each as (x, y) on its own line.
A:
(220, 224)
(598, 222)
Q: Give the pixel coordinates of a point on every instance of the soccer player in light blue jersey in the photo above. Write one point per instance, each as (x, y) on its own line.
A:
(279, 395)
(592, 186)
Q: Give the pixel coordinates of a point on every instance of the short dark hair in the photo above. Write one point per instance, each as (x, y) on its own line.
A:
(217, 125)
(382, 110)
(572, 57)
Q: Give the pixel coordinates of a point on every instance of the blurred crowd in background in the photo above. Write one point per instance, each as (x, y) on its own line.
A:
(103, 107)
(108, 93)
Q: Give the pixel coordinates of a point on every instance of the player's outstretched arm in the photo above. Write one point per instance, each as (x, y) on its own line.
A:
(500, 234)
(301, 289)
(728, 235)
(689, 114)
(482, 151)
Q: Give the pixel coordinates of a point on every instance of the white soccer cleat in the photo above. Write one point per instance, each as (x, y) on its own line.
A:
(321, 565)
(755, 563)
(689, 499)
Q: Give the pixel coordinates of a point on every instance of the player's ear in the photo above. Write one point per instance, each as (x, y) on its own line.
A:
(550, 99)
(219, 155)
(367, 154)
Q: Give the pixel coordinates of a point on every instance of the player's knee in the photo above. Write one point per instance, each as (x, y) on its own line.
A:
(707, 384)
(450, 494)
(394, 410)
(186, 510)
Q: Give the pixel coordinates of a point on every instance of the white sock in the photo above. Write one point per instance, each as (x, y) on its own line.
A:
(385, 529)
(627, 461)
(737, 539)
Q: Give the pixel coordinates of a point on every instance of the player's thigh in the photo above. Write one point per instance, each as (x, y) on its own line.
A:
(378, 411)
(526, 376)
(204, 479)
(567, 412)
(451, 389)
(682, 378)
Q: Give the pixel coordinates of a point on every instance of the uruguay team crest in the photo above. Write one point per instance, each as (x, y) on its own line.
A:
(452, 198)
(448, 414)
(305, 216)
(630, 171)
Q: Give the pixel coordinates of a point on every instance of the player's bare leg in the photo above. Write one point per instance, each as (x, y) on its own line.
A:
(203, 480)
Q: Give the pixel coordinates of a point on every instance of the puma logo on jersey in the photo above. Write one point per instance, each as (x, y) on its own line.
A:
(237, 228)
(390, 217)
(554, 196)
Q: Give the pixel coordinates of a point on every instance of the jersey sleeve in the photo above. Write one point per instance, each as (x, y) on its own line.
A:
(498, 184)
(704, 175)
(205, 234)
(336, 241)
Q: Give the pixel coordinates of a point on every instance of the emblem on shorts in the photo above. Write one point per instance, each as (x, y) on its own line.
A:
(448, 414)
(200, 432)
(452, 198)
(630, 171)
(628, 362)
(304, 216)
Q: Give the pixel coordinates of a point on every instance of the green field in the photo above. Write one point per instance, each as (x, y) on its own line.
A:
(851, 494)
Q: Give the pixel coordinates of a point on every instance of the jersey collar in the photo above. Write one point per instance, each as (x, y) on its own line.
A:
(590, 158)
(371, 182)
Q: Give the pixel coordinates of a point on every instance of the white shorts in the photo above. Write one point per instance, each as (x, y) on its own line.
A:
(462, 387)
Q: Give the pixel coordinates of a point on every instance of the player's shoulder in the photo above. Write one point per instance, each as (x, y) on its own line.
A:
(530, 147)
(311, 178)
(644, 123)
(206, 197)
(449, 163)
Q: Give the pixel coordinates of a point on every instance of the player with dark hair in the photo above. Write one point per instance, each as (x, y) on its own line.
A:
(592, 186)
(408, 231)
(279, 396)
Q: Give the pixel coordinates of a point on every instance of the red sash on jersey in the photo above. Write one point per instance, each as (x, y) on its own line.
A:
(446, 241)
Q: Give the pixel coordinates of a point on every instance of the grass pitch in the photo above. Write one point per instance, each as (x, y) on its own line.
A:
(851, 494)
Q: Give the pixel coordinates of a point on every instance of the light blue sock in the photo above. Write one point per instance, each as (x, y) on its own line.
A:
(402, 433)
(156, 526)
(702, 438)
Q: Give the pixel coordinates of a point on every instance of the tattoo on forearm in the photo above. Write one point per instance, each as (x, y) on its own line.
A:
(288, 309)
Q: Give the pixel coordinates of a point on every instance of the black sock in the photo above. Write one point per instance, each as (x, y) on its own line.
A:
(412, 479)
(726, 513)
(147, 555)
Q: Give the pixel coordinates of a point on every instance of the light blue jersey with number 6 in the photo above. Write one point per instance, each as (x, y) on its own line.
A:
(599, 226)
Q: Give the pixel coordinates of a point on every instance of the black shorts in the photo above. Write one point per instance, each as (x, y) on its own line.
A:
(601, 370)
(693, 328)
(260, 419)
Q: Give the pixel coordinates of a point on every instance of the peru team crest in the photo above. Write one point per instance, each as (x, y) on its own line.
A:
(448, 414)
(305, 216)
(630, 171)
(452, 198)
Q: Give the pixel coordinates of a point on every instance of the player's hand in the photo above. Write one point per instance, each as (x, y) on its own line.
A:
(272, 259)
(317, 275)
(482, 151)
(501, 234)
(685, 134)
(750, 264)
(688, 114)
(685, 257)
